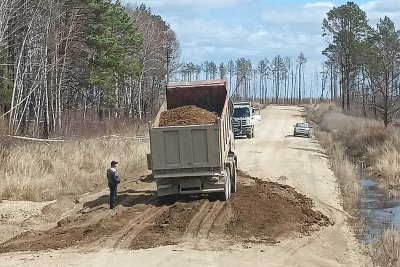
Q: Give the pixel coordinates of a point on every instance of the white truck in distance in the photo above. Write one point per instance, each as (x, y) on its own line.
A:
(244, 118)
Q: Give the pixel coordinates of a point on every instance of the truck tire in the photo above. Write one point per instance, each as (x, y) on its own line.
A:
(233, 179)
(249, 135)
(224, 196)
(252, 133)
(170, 199)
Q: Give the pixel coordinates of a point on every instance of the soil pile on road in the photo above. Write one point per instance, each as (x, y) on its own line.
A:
(268, 211)
(187, 115)
(83, 228)
(260, 211)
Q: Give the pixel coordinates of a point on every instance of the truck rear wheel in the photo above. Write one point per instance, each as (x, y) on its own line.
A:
(233, 179)
(170, 199)
(224, 196)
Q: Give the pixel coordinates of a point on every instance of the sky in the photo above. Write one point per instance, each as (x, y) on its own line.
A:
(223, 30)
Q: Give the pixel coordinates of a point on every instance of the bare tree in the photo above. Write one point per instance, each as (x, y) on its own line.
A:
(301, 61)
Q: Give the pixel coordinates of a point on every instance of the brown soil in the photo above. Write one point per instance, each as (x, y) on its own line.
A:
(187, 115)
(259, 212)
(168, 228)
(268, 211)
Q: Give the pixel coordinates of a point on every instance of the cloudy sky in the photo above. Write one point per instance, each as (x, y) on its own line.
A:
(221, 30)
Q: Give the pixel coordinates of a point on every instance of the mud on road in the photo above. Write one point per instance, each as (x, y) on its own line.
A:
(260, 212)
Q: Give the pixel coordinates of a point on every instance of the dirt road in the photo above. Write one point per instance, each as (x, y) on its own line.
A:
(271, 221)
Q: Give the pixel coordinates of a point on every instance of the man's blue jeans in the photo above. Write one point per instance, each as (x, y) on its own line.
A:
(113, 195)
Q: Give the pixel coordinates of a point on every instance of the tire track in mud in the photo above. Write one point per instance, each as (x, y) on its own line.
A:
(138, 214)
(203, 221)
(194, 225)
(184, 222)
(171, 225)
(126, 234)
(102, 212)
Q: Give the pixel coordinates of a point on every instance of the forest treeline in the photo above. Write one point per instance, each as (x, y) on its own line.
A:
(66, 59)
(280, 80)
(361, 69)
(366, 59)
(63, 56)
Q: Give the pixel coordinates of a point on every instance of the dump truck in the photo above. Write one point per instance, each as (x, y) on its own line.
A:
(245, 117)
(194, 159)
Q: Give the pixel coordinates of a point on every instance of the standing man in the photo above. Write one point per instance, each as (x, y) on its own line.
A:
(113, 181)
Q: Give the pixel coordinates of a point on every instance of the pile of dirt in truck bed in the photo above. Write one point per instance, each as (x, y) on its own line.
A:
(187, 115)
(260, 211)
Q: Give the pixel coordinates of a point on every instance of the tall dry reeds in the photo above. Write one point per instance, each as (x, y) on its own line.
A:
(91, 126)
(40, 171)
(386, 252)
(352, 140)
(386, 163)
(345, 171)
(330, 132)
(369, 142)
(77, 126)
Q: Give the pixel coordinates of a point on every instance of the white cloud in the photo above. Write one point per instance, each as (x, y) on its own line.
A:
(378, 9)
(382, 6)
(320, 4)
(226, 30)
(187, 6)
(311, 14)
(214, 40)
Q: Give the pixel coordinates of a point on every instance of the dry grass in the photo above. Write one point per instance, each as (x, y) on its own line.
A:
(386, 164)
(345, 171)
(333, 133)
(357, 140)
(356, 134)
(386, 252)
(75, 126)
(317, 111)
(349, 140)
(369, 141)
(3, 126)
(38, 171)
(89, 128)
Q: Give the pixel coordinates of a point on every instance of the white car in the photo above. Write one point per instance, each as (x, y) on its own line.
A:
(302, 128)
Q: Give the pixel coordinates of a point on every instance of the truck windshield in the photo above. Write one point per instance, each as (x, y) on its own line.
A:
(241, 112)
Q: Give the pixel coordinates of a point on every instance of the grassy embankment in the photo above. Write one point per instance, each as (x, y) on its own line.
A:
(351, 142)
(37, 171)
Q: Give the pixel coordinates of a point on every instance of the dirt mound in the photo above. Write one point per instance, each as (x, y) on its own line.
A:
(268, 211)
(70, 231)
(168, 228)
(259, 212)
(187, 115)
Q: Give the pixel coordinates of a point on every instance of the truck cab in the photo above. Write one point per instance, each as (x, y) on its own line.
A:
(244, 118)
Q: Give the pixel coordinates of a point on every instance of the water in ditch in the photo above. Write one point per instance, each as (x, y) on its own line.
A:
(378, 210)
